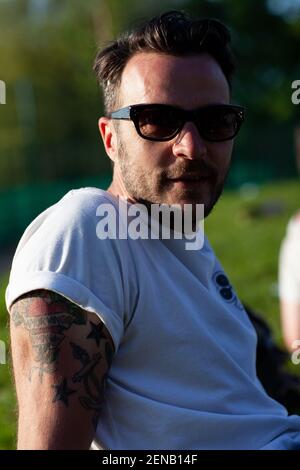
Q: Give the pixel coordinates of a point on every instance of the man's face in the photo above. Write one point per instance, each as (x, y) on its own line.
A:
(145, 170)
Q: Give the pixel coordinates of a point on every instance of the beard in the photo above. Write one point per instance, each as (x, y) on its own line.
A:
(156, 187)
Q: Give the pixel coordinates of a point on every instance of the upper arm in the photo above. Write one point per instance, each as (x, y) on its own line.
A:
(290, 320)
(61, 355)
(289, 285)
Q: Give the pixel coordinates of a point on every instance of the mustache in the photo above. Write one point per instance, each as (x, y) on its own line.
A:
(191, 167)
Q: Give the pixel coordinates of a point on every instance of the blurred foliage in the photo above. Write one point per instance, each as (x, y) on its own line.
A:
(49, 124)
(47, 47)
(7, 394)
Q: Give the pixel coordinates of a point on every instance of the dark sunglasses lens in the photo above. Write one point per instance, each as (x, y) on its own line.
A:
(158, 123)
(218, 124)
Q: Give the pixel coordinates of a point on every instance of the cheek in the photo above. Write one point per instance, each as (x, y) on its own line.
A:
(153, 156)
(221, 155)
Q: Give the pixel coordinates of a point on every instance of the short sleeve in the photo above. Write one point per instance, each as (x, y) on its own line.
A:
(60, 251)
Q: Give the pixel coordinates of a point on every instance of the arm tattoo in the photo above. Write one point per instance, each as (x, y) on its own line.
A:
(87, 375)
(47, 316)
(94, 388)
(62, 392)
(95, 333)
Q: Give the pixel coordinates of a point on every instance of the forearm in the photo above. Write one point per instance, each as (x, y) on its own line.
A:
(290, 320)
(51, 430)
(50, 413)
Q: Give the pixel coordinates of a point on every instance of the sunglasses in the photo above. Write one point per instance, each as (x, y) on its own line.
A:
(162, 122)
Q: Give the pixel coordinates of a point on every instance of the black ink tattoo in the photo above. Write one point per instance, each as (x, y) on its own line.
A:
(88, 377)
(93, 387)
(62, 392)
(96, 331)
(46, 315)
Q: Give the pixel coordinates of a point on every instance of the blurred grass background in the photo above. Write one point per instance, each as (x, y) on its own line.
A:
(7, 395)
(49, 141)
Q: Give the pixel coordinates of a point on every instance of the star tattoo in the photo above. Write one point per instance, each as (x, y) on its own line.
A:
(62, 392)
(95, 332)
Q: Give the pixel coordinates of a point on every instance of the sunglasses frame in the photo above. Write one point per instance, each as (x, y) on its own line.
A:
(131, 113)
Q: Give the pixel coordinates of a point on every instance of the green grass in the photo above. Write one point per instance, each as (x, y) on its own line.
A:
(7, 395)
(246, 245)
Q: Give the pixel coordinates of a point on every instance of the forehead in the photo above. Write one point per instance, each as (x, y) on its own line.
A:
(188, 81)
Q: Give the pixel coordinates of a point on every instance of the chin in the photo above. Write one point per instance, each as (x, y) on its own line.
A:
(206, 200)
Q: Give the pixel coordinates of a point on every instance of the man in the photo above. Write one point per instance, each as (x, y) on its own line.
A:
(141, 343)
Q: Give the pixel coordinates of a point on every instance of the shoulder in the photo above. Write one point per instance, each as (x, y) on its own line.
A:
(79, 204)
(61, 251)
(75, 214)
(64, 237)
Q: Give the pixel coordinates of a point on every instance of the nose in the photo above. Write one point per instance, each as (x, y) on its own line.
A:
(189, 143)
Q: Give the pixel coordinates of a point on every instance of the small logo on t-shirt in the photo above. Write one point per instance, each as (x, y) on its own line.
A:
(225, 289)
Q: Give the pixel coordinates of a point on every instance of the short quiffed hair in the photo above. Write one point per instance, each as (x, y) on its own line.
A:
(174, 33)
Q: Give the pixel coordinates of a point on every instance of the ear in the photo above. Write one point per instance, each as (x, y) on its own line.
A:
(109, 137)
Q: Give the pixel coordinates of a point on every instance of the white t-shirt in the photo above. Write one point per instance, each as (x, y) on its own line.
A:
(289, 263)
(184, 373)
